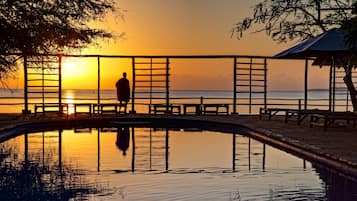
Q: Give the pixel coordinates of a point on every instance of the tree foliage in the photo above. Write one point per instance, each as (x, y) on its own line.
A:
(351, 26)
(287, 20)
(47, 26)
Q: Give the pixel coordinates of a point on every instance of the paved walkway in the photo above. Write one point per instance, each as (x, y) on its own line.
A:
(336, 143)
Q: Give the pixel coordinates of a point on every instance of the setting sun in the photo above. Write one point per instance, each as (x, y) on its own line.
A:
(72, 69)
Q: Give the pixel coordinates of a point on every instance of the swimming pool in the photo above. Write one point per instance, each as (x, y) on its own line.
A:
(126, 162)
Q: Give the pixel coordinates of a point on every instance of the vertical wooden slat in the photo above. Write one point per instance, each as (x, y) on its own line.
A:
(306, 84)
(43, 83)
(250, 85)
(60, 81)
(26, 109)
(265, 83)
(150, 95)
(167, 83)
(334, 87)
(330, 89)
(235, 85)
(133, 86)
(98, 89)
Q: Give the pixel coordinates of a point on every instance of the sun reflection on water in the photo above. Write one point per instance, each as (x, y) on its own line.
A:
(69, 99)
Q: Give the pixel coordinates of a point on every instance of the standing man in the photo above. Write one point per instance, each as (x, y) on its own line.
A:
(123, 90)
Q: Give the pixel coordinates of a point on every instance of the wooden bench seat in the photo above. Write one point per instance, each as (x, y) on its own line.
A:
(110, 108)
(328, 119)
(299, 115)
(197, 108)
(87, 106)
(270, 112)
(51, 107)
(302, 114)
(215, 109)
(164, 109)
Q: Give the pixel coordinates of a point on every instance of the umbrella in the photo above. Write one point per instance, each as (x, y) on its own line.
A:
(329, 48)
(332, 43)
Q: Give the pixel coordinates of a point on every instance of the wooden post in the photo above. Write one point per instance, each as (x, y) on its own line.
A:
(60, 82)
(167, 84)
(98, 90)
(26, 109)
(235, 85)
(265, 83)
(250, 85)
(133, 86)
(306, 84)
(334, 87)
(330, 89)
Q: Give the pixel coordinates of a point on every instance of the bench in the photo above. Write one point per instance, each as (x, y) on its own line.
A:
(270, 112)
(302, 114)
(51, 107)
(328, 119)
(88, 106)
(215, 109)
(197, 109)
(289, 113)
(115, 108)
(164, 109)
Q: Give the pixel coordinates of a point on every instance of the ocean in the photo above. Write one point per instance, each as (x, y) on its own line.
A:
(12, 101)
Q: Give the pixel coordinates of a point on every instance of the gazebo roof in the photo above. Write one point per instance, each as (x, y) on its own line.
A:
(326, 45)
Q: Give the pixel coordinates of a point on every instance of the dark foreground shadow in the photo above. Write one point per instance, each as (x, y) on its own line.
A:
(338, 188)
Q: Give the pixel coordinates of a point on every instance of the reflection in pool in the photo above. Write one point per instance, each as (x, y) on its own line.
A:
(159, 164)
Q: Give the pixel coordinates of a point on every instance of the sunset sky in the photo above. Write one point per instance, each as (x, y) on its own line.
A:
(184, 27)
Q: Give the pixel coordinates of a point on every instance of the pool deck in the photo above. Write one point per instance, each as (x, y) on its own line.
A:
(338, 145)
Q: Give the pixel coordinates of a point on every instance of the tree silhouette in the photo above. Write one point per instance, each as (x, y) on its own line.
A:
(289, 20)
(286, 20)
(47, 26)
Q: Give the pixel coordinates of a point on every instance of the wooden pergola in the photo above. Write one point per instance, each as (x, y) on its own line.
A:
(151, 78)
(249, 76)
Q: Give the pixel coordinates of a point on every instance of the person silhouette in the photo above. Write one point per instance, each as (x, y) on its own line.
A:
(123, 90)
(123, 138)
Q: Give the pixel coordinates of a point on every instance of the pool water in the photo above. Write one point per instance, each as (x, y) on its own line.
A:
(133, 163)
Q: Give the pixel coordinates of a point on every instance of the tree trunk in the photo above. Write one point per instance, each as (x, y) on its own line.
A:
(350, 86)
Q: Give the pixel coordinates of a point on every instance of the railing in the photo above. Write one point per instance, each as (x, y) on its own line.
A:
(15, 104)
